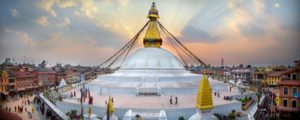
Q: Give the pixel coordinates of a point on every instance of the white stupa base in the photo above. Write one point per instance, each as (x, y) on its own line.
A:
(91, 117)
(203, 115)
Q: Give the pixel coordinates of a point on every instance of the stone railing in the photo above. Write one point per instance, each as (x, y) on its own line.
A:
(52, 107)
(254, 109)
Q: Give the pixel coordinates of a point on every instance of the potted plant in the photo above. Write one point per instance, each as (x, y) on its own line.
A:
(232, 114)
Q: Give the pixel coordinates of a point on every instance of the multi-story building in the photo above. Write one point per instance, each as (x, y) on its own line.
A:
(59, 76)
(60, 73)
(25, 80)
(241, 73)
(3, 85)
(289, 89)
(46, 78)
(72, 75)
(259, 75)
(12, 84)
(273, 78)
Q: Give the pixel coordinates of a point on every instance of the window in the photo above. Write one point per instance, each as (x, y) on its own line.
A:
(294, 77)
(285, 90)
(285, 103)
(294, 90)
(294, 103)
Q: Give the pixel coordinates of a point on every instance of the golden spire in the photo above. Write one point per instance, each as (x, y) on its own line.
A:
(152, 37)
(110, 107)
(153, 13)
(204, 98)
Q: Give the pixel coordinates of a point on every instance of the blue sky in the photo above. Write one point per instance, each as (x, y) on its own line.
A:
(85, 32)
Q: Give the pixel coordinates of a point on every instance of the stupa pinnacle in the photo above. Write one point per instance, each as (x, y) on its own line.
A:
(204, 98)
(204, 102)
(152, 37)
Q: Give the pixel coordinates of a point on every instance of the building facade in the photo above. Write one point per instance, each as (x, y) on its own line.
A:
(3, 85)
(273, 78)
(241, 73)
(289, 87)
(25, 81)
(46, 78)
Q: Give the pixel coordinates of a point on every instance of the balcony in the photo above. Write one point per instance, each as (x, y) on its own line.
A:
(288, 109)
(289, 82)
(11, 83)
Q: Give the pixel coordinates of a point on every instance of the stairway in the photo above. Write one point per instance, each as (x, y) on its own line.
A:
(146, 115)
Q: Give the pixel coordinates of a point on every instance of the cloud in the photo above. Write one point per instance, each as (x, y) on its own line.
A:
(192, 34)
(23, 37)
(248, 29)
(64, 23)
(67, 3)
(252, 31)
(42, 21)
(54, 48)
(14, 13)
(47, 6)
(277, 5)
(88, 8)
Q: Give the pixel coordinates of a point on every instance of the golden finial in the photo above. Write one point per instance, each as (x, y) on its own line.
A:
(152, 36)
(204, 96)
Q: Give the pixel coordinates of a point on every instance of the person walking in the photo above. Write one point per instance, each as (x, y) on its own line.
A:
(171, 100)
(176, 100)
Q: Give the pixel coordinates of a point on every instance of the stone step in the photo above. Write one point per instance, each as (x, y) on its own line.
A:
(146, 115)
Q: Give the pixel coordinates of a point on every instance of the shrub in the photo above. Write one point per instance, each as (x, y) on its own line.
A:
(219, 116)
(73, 112)
(181, 118)
(233, 111)
(231, 115)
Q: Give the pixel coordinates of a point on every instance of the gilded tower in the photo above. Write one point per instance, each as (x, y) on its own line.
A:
(152, 37)
(204, 101)
(204, 97)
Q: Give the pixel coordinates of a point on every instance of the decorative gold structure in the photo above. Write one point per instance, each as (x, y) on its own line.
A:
(204, 96)
(152, 37)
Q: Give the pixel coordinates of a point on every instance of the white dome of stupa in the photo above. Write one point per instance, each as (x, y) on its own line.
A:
(62, 83)
(152, 59)
(231, 81)
(240, 83)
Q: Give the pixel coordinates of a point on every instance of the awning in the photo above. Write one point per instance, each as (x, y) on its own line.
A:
(4, 92)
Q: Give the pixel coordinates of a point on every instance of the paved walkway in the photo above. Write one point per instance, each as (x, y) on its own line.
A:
(159, 102)
(24, 115)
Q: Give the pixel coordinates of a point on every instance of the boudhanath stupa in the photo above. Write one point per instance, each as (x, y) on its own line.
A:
(154, 84)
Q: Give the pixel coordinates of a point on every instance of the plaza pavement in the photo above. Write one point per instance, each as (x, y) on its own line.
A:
(24, 115)
(156, 102)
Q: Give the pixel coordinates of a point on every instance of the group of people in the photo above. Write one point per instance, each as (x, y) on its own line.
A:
(20, 108)
(73, 94)
(85, 93)
(217, 93)
(176, 100)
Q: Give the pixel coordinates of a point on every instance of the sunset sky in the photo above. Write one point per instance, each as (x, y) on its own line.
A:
(85, 32)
